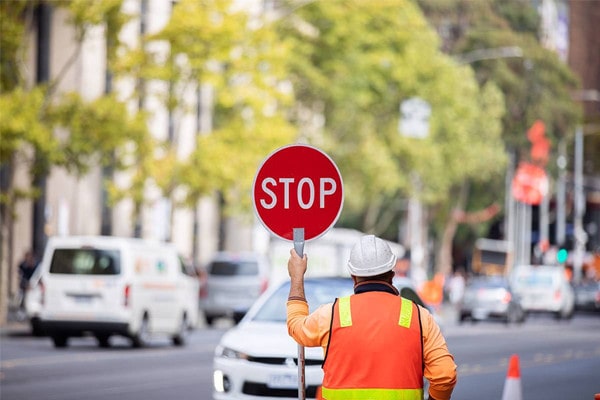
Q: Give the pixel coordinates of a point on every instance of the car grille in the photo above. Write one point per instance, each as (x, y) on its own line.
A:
(262, 390)
(282, 361)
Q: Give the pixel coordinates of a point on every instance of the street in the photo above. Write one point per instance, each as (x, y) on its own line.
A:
(558, 360)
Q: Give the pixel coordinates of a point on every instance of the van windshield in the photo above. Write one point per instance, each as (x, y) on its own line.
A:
(229, 268)
(85, 262)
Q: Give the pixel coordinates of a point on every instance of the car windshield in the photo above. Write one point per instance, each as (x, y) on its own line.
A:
(231, 268)
(85, 261)
(317, 292)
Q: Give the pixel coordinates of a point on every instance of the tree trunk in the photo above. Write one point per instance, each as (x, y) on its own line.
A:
(444, 253)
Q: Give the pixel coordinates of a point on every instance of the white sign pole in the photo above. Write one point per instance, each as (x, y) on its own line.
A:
(299, 247)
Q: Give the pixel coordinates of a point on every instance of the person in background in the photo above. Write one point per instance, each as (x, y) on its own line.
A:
(377, 345)
(456, 286)
(26, 269)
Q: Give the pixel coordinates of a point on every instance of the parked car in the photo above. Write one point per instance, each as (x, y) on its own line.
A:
(488, 298)
(587, 296)
(544, 289)
(257, 359)
(234, 280)
(107, 286)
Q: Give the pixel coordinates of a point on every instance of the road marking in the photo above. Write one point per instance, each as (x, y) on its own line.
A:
(95, 356)
(538, 359)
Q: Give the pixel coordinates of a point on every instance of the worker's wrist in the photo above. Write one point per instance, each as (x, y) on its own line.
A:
(300, 298)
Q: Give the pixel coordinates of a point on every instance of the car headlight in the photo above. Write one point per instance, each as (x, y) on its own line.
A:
(226, 352)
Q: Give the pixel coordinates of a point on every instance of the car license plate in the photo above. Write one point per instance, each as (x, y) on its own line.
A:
(283, 381)
(83, 299)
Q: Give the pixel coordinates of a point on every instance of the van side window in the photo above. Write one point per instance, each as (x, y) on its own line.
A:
(85, 262)
(226, 268)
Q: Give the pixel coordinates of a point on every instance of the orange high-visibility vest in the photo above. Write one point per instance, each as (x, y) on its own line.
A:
(374, 350)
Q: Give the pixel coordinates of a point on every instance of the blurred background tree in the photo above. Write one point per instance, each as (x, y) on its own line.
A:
(41, 128)
(535, 83)
(354, 63)
(212, 46)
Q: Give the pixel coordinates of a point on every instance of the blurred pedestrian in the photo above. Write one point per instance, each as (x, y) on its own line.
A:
(377, 345)
(456, 286)
(26, 269)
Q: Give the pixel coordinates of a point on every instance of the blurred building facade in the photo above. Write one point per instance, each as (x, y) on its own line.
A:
(76, 205)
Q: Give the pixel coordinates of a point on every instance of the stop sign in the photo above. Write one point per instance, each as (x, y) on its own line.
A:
(298, 186)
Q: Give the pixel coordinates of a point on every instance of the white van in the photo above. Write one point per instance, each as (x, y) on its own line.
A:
(114, 286)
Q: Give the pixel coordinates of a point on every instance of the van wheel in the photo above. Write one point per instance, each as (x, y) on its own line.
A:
(60, 341)
(142, 338)
(103, 340)
(180, 338)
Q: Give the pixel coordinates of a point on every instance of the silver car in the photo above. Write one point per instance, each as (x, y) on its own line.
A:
(233, 281)
(489, 298)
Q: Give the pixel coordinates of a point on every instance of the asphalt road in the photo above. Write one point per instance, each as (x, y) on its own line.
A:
(558, 360)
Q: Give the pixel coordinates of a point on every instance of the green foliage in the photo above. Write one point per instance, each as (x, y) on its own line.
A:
(42, 129)
(243, 61)
(12, 31)
(357, 62)
(95, 131)
(535, 86)
(24, 130)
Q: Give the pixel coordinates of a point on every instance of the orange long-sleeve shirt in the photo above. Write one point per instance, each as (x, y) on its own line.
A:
(312, 330)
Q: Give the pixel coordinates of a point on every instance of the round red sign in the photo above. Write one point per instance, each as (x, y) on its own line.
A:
(298, 186)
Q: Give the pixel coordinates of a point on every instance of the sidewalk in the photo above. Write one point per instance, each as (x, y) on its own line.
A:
(16, 323)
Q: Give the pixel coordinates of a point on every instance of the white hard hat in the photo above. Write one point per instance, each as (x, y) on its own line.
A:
(371, 256)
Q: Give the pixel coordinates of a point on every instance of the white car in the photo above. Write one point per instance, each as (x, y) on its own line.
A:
(257, 359)
(544, 288)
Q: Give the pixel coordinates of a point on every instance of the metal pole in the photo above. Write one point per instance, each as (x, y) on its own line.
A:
(510, 209)
(544, 220)
(561, 194)
(580, 235)
(39, 219)
(299, 247)
(527, 234)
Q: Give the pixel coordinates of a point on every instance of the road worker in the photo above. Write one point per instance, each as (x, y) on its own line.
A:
(377, 345)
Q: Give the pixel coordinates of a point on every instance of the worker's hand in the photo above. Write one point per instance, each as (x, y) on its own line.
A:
(297, 265)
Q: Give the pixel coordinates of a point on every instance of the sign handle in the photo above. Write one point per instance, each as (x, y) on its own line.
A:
(299, 241)
(299, 247)
(301, 373)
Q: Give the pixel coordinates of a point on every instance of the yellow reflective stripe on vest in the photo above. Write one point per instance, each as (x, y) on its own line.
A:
(370, 394)
(405, 313)
(345, 314)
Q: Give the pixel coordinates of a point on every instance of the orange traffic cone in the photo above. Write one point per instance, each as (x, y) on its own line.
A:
(512, 385)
